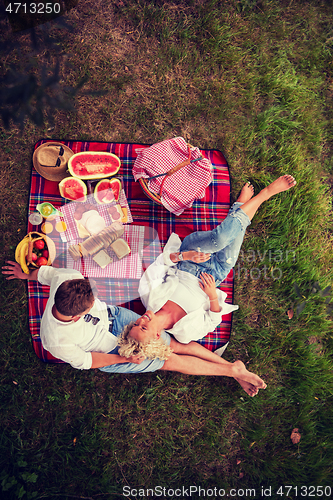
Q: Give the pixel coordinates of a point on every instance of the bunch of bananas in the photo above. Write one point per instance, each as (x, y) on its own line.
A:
(23, 251)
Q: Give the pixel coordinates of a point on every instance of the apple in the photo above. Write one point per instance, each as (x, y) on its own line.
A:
(41, 261)
(39, 244)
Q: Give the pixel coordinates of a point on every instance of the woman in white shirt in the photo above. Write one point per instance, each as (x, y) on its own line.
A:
(179, 289)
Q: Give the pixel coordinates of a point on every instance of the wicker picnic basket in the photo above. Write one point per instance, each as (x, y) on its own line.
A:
(145, 181)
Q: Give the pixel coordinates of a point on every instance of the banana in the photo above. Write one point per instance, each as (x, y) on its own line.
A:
(23, 254)
(18, 249)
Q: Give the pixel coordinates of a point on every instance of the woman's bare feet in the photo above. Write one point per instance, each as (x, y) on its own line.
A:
(246, 193)
(283, 183)
(250, 389)
(250, 382)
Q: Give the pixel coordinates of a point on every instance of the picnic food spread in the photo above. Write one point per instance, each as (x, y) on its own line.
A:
(89, 172)
(101, 241)
(93, 165)
(218, 193)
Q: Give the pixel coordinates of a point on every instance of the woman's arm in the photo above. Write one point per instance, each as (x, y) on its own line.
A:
(207, 284)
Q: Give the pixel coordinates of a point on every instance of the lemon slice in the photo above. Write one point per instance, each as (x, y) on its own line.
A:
(47, 210)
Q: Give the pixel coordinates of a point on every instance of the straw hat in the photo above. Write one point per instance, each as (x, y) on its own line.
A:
(51, 159)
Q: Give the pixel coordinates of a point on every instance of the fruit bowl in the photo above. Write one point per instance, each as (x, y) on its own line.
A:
(35, 250)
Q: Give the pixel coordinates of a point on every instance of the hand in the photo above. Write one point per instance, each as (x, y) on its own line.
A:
(207, 284)
(14, 271)
(196, 256)
(136, 359)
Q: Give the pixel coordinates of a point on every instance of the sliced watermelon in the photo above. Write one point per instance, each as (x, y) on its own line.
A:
(73, 189)
(93, 165)
(107, 190)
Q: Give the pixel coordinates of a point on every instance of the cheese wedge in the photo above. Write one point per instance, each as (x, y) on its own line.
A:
(124, 219)
(83, 233)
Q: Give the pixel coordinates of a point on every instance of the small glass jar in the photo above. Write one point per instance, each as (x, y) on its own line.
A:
(35, 218)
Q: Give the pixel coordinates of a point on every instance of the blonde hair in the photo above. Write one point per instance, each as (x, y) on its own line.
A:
(152, 349)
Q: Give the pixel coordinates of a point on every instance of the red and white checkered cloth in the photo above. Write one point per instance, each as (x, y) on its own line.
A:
(129, 267)
(68, 210)
(184, 186)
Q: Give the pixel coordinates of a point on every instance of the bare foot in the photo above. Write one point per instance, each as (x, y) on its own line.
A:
(283, 183)
(246, 193)
(250, 389)
(240, 372)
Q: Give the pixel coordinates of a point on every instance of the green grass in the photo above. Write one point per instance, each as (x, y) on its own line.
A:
(253, 79)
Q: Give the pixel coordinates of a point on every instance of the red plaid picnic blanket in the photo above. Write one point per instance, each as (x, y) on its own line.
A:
(204, 215)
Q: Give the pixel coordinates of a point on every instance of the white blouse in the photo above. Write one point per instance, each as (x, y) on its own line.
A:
(160, 283)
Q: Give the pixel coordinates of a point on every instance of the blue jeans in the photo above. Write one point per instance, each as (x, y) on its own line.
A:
(120, 317)
(223, 243)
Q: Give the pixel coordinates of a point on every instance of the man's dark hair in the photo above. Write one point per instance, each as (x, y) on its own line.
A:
(73, 297)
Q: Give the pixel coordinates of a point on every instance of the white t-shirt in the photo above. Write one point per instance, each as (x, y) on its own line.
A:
(73, 341)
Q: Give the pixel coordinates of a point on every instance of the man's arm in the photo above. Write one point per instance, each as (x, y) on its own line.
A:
(100, 359)
(14, 271)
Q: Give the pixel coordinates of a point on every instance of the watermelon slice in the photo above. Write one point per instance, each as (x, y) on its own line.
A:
(107, 190)
(73, 189)
(93, 165)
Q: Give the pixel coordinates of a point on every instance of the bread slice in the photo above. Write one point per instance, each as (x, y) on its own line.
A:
(120, 248)
(102, 259)
(74, 251)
